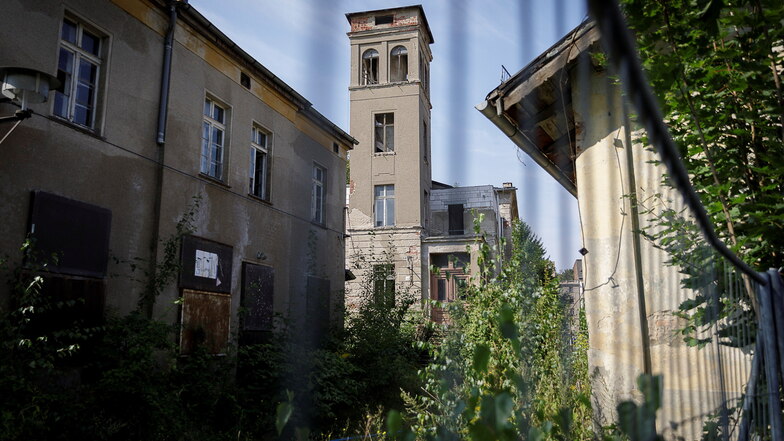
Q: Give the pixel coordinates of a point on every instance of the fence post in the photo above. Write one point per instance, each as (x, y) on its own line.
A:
(777, 295)
(767, 331)
(751, 393)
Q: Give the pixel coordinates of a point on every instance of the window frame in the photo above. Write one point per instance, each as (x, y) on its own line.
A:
(318, 189)
(396, 67)
(387, 202)
(456, 224)
(387, 144)
(222, 125)
(71, 81)
(369, 63)
(266, 171)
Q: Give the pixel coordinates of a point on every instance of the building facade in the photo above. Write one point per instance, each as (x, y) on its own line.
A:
(169, 145)
(400, 222)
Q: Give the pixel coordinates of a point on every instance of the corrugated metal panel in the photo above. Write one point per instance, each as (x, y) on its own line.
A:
(206, 317)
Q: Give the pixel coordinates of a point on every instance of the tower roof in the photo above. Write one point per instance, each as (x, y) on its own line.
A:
(359, 20)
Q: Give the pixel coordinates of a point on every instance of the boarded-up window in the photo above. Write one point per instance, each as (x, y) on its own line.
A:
(205, 321)
(80, 301)
(76, 232)
(456, 219)
(317, 307)
(257, 297)
(205, 265)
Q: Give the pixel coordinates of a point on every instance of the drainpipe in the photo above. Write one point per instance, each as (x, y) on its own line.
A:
(163, 102)
(525, 144)
(163, 110)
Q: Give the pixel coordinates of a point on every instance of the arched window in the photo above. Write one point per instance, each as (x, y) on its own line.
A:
(370, 67)
(398, 67)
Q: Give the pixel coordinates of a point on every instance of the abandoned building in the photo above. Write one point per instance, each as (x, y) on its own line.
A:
(163, 125)
(568, 114)
(407, 233)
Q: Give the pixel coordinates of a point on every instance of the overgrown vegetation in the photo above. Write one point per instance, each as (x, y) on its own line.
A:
(510, 366)
(125, 379)
(509, 363)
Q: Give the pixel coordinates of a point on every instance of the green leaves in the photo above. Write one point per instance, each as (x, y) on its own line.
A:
(638, 422)
(481, 358)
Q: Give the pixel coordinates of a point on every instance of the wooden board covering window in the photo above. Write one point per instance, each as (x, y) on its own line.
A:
(206, 318)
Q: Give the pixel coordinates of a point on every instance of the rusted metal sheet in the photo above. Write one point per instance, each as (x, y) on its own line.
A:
(205, 265)
(206, 317)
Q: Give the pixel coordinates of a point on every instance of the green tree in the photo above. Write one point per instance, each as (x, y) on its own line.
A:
(715, 66)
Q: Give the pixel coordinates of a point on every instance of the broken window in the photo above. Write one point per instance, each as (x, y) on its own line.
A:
(448, 281)
(385, 132)
(398, 64)
(370, 67)
(385, 205)
(384, 284)
(456, 219)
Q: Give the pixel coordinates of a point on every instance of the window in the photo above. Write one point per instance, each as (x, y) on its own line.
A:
(245, 80)
(423, 73)
(385, 205)
(383, 19)
(259, 163)
(424, 139)
(370, 67)
(426, 204)
(384, 284)
(319, 192)
(456, 219)
(78, 69)
(213, 137)
(398, 64)
(385, 132)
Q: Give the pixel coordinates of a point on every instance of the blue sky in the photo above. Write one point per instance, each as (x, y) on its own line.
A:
(304, 43)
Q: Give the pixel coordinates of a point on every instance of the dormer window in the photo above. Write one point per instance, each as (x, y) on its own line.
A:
(370, 67)
(398, 64)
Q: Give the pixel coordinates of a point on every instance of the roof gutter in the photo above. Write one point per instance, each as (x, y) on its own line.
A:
(497, 117)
